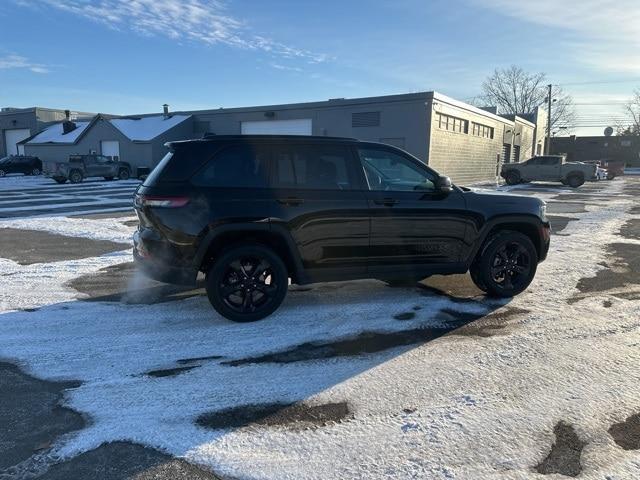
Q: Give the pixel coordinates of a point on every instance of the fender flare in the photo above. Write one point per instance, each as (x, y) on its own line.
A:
(253, 227)
(530, 220)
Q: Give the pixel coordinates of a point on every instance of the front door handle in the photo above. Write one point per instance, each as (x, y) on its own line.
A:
(290, 201)
(388, 202)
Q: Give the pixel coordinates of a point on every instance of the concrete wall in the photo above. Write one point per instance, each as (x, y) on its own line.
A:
(464, 157)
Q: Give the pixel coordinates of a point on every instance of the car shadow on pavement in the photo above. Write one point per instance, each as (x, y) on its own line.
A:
(174, 363)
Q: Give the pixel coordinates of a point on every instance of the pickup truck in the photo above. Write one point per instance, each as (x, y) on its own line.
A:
(550, 168)
(80, 167)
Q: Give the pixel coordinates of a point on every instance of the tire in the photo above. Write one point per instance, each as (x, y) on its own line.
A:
(492, 271)
(35, 171)
(241, 293)
(60, 180)
(75, 176)
(124, 174)
(2, 173)
(108, 179)
(512, 178)
(575, 181)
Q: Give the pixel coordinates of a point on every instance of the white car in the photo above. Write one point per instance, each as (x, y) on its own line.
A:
(601, 173)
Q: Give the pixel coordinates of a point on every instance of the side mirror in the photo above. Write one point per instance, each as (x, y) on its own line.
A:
(444, 185)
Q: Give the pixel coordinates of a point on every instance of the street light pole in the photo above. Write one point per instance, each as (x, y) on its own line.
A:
(548, 149)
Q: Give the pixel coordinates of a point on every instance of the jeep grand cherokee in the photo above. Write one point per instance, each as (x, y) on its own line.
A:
(254, 213)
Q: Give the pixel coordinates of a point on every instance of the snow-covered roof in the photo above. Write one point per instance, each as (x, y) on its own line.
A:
(146, 128)
(55, 134)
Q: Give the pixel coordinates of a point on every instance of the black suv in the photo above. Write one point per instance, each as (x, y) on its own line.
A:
(20, 164)
(252, 212)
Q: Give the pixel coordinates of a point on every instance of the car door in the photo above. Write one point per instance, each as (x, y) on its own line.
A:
(319, 200)
(550, 169)
(414, 226)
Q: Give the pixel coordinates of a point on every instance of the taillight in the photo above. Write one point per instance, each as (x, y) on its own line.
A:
(159, 201)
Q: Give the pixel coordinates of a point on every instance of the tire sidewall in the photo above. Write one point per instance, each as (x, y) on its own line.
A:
(575, 181)
(219, 267)
(35, 171)
(124, 174)
(483, 266)
(512, 178)
(2, 173)
(75, 177)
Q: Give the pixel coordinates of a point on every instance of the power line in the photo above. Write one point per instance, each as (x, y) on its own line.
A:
(599, 82)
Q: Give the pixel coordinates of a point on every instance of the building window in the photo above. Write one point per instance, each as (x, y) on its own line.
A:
(479, 130)
(452, 124)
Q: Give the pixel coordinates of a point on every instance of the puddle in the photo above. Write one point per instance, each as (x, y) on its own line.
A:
(366, 342)
(559, 223)
(184, 361)
(27, 247)
(631, 229)
(627, 434)
(565, 207)
(170, 372)
(623, 265)
(491, 325)
(297, 415)
(113, 284)
(405, 316)
(564, 457)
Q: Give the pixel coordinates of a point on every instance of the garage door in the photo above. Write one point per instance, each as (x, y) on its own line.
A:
(110, 148)
(301, 126)
(12, 137)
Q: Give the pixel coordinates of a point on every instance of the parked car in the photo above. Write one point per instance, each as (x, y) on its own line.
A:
(601, 173)
(80, 167)
(551, 168)
(252, 212)
(25, 164)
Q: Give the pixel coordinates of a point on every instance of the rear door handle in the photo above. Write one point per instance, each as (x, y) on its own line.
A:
(389, 202)
(290, 201)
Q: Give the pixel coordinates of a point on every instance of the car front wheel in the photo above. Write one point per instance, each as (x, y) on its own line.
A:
(575, 181)
(35, 171)
(2, 173)
(506, 265)
(247, 283)
(75, 176)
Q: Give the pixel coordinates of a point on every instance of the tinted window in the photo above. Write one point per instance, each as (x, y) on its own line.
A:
(236, 166)
(551, 161)
(387, 170)
(311, 166)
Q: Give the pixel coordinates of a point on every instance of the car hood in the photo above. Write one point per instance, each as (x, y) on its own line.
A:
(502, 202)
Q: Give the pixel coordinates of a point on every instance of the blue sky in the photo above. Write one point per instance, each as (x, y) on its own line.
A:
(131, 56)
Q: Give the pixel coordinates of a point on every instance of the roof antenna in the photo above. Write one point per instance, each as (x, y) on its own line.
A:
(165, 110)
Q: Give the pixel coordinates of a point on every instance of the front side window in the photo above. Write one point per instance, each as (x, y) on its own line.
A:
(389, 171)
(311, 167)
(240, 166)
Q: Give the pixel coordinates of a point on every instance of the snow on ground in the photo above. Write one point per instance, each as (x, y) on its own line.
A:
(459, 407)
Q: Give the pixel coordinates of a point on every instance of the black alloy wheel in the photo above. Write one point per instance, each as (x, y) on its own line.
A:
(35, 171)
(506, 265)
(75, 176)
(512, 178)
(124, 174)
(247, 283)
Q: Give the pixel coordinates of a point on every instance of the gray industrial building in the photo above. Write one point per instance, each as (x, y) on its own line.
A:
(624, 149)
(16, 124)
(457, 139)
(138, 140)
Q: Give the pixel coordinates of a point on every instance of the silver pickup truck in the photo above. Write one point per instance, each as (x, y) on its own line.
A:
(550, 168)
(80, 167)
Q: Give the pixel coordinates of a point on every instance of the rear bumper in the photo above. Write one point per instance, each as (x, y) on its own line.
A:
(159, 269)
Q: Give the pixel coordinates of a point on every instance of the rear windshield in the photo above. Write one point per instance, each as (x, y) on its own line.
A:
(180, 164)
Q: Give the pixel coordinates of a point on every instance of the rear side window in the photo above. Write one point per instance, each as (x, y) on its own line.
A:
(321, 167)
(240, 166)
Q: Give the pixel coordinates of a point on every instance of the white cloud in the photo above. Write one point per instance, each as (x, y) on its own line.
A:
(607, 32)
(202, 21)
(17, 61)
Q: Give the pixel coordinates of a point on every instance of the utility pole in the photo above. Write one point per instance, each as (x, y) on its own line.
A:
(548, 149)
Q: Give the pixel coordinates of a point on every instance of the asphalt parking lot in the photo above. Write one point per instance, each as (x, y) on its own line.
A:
(104, 373)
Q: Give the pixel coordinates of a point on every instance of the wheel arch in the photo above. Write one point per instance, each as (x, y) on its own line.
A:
(528, 225)
(271, 236)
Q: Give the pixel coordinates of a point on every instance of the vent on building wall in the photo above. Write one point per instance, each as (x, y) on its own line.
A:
(365, 119)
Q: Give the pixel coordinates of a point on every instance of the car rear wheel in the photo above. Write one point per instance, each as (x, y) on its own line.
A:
(35, 171)
(506, 265)
(75, 176)
(2, 173)
(512, 178)
(575, 181)
(247, 283)
(124, 174)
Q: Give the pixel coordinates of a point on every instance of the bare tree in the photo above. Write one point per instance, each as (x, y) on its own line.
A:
(632, 109)
(515, 91)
